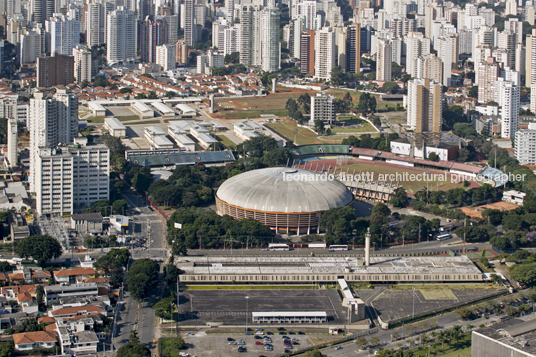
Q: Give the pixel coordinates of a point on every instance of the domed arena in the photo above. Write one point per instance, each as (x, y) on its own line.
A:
(288, 200)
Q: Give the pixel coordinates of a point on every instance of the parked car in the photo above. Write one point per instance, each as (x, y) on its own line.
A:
(258, 343)
(231, 343)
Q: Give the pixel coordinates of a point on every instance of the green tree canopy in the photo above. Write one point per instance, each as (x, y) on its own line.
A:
(41, 248)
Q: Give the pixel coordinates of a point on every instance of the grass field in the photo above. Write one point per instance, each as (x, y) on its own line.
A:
(380, 173)
(128, 117)
(226, 141)
(142, 122)
(248, 114)
(365, 126)
(355, 98)
(95, 120)
(286, 128)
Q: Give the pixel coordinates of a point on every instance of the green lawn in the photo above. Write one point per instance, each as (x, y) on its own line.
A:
(169, 346)
(95, 120)
(463, 350)
(466, 352)
(286, 128)
(248, 114)
(142, 122)
(365, 126)
(128, 117)
(226, 141)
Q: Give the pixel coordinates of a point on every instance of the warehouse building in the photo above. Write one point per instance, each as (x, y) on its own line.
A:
(115, 127)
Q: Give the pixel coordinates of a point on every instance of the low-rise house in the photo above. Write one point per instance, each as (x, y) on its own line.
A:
(513, 196)
(77, 311)
(28, 275)
(30, 340)
(56, 292)
(74, 275)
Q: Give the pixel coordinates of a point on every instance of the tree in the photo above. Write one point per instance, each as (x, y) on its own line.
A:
(389, 87)
(120, 207)
(133, 348)
(377, 122)
(338, 76)
(382, 209)
(514, 222)
(142, 278)
(524, 273)
(316, 353)
(5, 267)
(473, 92)
(495, 279)
(319, 126)
(233, 57)
(41, 248)
(494, 216)
(367, 104)
(399, 198)
(371, 76)
(433, 156)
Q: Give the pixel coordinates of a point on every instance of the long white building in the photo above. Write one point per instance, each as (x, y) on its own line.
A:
(384, 57)
(270, 46)
(525, 145)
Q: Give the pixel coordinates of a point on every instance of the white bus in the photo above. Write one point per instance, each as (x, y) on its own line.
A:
(338, 247)
(278, 246)
(443, 236)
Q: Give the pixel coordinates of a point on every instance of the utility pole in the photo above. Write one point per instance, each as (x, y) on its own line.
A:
(419, 232)
(177, 325)
(464, 233)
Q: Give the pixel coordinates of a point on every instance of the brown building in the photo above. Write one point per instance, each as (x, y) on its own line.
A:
(181, 52)
(353, 48)
(55, 70)
(307, 53)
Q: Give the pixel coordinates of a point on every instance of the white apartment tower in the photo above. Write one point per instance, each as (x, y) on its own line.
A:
(416, 45)
(383, 60)
(121, 36)
(69, 178)
(31, 46)
(270, 46)
(322, 108)
(165, 57)
(82, 64)
(510, 110)
(447, 51)
(246, 35)
(324, 53)
(64, 34)
(12, 141)
(51, 121)
(488, 72)
(525, 145)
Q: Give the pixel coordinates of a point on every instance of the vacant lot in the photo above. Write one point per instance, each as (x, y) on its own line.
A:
(289, 129)
(353, 125)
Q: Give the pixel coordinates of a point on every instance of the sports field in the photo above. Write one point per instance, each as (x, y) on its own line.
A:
(410, 178)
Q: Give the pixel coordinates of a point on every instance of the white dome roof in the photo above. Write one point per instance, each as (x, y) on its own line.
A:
(270, 190)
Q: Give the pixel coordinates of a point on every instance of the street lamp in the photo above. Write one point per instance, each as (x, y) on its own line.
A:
(247, 298)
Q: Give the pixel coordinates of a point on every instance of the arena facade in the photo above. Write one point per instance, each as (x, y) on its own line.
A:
(289, 200)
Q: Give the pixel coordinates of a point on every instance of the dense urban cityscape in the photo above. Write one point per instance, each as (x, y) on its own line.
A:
(218, 178)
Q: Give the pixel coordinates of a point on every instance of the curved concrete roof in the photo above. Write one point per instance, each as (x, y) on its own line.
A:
(270, 190)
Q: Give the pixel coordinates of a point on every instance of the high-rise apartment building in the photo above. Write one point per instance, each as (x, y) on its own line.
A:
(12, 140)
(510, 110)
(525, 145)
(307, 52)
(55, 70)
(424, 105)
(51, 121)
(189, 23)
(82, 64)
(64, 34)
(324, 53)
(165, 57)
(447, 51)
(31, 46)
(322, 108)
(181, 52)
(488, 72)
(384, 58)
(353, 48)
(270, 46)
(246, 35)
(41, 10)
(231, 41)
(416, 46)
(70, 178)
(121, 36)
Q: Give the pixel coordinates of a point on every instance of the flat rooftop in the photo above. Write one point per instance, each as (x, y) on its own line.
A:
(519, 333)
(325, 265)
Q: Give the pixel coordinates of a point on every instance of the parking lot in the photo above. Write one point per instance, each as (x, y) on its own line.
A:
(216, 345)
